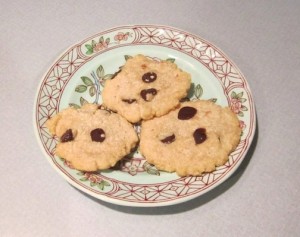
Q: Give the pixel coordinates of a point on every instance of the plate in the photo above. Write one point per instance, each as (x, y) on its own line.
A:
(78, 77)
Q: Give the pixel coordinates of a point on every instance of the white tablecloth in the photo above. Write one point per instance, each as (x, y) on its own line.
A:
(261, 199)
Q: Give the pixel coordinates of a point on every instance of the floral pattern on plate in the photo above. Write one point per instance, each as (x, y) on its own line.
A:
(78, 76)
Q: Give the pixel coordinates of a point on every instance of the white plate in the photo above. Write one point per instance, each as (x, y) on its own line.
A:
(77, 76)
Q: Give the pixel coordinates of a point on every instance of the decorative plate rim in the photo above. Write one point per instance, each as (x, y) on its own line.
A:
(101, 195)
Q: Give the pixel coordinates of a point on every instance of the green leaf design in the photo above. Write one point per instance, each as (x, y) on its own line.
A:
(150, 169)
(92, 184)
(83, 101)
(101, 39)
(127, 57)
(89, 49)
(80, 88)
(105, 183)
(108, 76)
(214, 100)
(87, 81)
(93, 43)
(80, 173)
(242, 100)
(241, 114)
(244, 108)
(89, 52)
(107, 40)
(240, 95)
(75, 106)
(153, 171)
(92, 91)
(172, 60)
(233, 95)
(100, 71)
(100, 185)
(198, 91)
(83, 179)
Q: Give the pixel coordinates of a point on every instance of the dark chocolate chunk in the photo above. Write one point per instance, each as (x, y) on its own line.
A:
(186, 113)
(67, 136)
(129, 101)
(168, 139)
(200, 135)
(98, 135)
(149, 77)
(148, 94)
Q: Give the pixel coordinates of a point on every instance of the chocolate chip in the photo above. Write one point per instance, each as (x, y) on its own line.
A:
(200, 135)
(148, 94)
(149, 77)
(186, 113)
(168, 139)
(98, 135)
(67, 136)
(129, 101)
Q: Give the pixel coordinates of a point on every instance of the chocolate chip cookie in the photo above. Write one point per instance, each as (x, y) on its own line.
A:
(191, 140)
(92, 138)
(146, 88)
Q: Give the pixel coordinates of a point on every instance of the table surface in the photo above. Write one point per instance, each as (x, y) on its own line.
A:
(261, 199)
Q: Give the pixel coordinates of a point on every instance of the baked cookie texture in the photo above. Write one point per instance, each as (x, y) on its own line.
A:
(92, 138)
(191, 140)
(145, 88)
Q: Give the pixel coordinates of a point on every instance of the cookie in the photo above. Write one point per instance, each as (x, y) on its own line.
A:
(191, 140)
(91, 138)
(145, 88)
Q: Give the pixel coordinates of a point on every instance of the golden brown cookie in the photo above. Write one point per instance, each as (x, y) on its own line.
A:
(92, 138)
(191, 140)
(145, 88)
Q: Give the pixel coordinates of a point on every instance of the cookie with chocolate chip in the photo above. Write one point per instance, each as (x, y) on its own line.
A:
(192, 139)
(91, 138)
(146, 88)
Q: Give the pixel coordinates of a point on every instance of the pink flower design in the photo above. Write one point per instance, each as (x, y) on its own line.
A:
(100, 46)
(94, 178)
(68, 164)
(236, 105)
(121, 36)
(132, 167)
(96, 46)
(242, 125)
